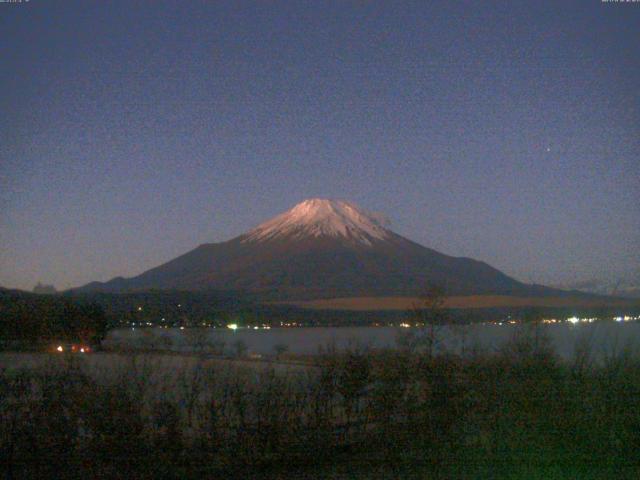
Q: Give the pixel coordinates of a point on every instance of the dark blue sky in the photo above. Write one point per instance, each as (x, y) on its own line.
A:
(130, 132)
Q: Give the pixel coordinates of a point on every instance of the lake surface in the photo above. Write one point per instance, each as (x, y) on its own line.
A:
(605, 337)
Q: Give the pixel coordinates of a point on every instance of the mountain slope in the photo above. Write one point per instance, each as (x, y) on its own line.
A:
(322, 249)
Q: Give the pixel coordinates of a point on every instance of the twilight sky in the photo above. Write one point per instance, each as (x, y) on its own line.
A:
(131, 132)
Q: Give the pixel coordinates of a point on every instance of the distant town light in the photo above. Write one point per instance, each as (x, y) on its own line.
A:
(60, 349)
(232, 326)
(573, 320)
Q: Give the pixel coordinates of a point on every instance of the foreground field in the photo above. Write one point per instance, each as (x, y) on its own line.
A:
(160, 364)
(471, 301)
(518, 413)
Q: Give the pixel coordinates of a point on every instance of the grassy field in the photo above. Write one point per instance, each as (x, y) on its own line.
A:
(472, 301)
(517, 413)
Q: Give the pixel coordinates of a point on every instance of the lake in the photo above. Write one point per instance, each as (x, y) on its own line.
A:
(604, 337)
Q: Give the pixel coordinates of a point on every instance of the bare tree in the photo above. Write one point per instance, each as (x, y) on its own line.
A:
(280, 349)
(430, 315)
(197, 339)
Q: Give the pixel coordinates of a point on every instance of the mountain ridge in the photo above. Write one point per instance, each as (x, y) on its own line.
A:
(322, 249)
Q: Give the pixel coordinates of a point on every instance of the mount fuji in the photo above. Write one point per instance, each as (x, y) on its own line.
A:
(322, 249)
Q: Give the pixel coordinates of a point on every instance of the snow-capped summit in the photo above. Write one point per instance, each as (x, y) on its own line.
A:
(318, 217)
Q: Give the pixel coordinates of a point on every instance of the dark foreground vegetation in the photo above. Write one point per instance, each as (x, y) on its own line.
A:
(518, 413)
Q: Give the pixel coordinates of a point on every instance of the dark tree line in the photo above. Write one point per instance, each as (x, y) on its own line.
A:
(28, 320)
